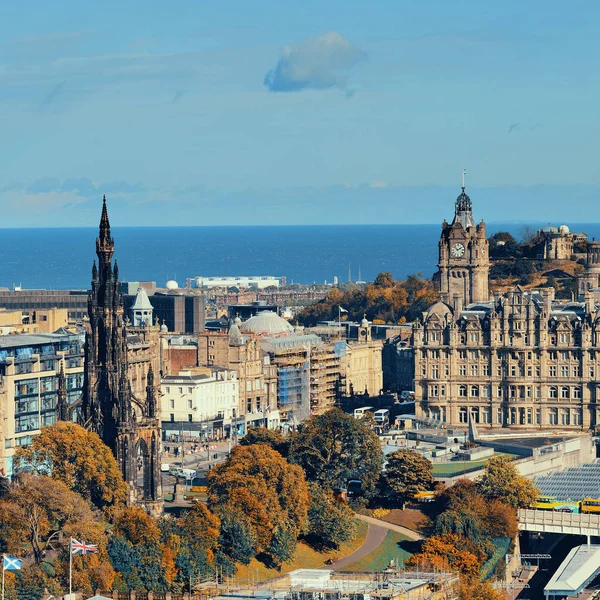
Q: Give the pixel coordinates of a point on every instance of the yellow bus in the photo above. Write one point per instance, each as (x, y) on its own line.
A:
(551, 503)
(590, 505)
(544, 503)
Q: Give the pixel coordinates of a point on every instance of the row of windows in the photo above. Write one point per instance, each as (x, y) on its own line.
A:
(473, 355)
(32, 422)
(512, 391)
(523, 416)
(564, 372)
(565, 339)
(190, 390)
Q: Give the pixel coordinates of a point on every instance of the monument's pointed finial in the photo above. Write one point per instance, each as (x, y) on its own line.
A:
(464, 172)
(104, 222)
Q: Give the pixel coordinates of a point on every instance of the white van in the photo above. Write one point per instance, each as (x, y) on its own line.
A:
(359, 413)
(381, 416)
(188, 474)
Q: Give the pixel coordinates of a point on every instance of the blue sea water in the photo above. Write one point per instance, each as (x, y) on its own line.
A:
(62, 258)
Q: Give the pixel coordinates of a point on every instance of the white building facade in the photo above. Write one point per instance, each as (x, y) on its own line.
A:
(200, 402)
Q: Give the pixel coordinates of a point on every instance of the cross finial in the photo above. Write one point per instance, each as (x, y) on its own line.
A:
(464, 171)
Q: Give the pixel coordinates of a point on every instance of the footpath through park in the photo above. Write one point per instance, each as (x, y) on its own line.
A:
(375, 535)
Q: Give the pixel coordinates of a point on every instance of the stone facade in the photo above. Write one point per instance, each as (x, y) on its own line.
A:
(519, 360)
(464, 265)
(590, 278)
(559, 243)
(120, 394)
(257, 377)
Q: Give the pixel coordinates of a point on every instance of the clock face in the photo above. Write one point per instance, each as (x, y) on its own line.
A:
(458, 250)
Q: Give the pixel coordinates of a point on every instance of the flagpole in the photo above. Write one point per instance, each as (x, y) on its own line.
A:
(70, 567)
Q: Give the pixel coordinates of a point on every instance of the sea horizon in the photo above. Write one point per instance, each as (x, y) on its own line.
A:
(62, 257)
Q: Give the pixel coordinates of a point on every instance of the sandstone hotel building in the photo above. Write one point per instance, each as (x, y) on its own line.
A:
(519, 359)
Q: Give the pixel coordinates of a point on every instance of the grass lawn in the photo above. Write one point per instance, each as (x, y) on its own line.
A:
(411, 518)
(380, 558)
(459, 466)
(304, 558)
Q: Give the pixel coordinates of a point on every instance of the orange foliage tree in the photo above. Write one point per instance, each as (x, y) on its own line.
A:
(259, 485)
(385, 300)
(79, 459)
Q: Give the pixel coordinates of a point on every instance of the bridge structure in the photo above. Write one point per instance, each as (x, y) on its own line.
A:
(547, 521)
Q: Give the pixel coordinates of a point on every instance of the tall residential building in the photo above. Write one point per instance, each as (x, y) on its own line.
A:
(41, 375)
(464, 264)
(120, 394)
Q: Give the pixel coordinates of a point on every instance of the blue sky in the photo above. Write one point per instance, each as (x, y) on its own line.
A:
(192, 113)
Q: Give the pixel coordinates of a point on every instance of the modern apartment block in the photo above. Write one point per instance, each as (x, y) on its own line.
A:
(30, 383)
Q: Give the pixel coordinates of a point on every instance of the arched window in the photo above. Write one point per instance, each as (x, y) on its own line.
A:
(462, 391)
(462, 415)
(553, 392)
(474, 391)
(564, 392)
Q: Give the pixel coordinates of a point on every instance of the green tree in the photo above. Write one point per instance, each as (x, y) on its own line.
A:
(330, 523)
(125, 560)
(282, 547)
(501, 481)
(79, 459)
(270, 437)
(237, 540)
(136, 551)
(334, 447)
(406, 473)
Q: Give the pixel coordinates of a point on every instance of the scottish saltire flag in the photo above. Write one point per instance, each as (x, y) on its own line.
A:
(9, 563)
(82, 547)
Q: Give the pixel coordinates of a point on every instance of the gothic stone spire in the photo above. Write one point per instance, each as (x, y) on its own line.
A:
(105, 245)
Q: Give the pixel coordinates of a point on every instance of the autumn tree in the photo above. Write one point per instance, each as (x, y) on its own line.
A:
(501, 481)
(260, 485)
(79, 459)
(385, 300)
(334, 447)
(470, 515)
(200, 540)
(448, 552)
(330, 523)
(270, 437)
(406, 473)
(479, 590)
(38, 509)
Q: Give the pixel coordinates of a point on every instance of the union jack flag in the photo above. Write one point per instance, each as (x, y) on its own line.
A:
(82, 547)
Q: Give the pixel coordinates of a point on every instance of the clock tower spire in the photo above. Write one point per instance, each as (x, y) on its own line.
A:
(464, 265)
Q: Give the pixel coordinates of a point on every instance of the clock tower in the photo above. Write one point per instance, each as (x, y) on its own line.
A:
(464, 264)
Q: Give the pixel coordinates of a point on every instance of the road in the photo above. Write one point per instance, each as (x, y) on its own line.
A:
(200, 461)
(374, 539)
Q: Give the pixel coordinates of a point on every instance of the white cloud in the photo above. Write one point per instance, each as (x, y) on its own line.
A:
(316, 63)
